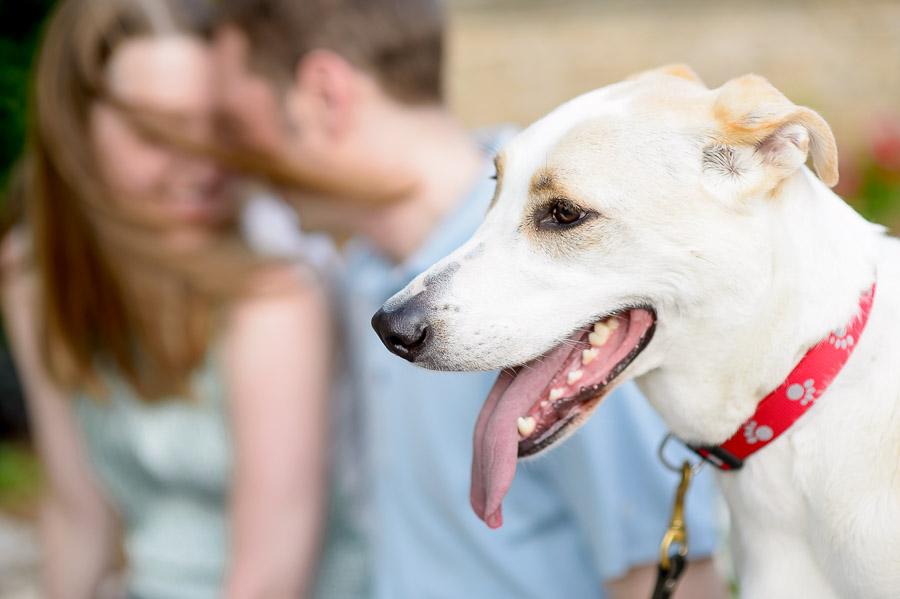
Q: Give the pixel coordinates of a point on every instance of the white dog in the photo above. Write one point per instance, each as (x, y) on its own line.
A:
(658, 230)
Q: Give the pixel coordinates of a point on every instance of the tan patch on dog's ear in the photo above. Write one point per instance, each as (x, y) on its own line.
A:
(677, 69)
(751, 111)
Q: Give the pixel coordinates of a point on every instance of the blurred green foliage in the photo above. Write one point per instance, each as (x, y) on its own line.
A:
(879, 196)
(20, 24)
(20, 27)
(21, 478)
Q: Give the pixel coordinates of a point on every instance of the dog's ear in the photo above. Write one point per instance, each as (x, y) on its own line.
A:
(752, 114)
(676, 70)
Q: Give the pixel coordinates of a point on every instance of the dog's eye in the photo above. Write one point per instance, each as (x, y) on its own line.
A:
(566, 213)
(561, 214)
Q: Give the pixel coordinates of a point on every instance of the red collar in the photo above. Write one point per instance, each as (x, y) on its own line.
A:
(783, 406)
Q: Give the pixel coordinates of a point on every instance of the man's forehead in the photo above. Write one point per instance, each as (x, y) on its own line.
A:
(233, 37)
(248, 103)
(232, 49)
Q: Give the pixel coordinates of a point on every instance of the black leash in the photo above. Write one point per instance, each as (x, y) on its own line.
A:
(674, 547)
(667, 580)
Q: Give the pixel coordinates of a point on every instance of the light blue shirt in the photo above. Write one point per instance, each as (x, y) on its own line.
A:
(585, 512)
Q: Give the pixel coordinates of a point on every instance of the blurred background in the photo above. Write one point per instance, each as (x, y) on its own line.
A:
(517, 59)
(514, 60)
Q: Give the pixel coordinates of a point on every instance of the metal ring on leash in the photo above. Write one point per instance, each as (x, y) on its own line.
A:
(695, 468)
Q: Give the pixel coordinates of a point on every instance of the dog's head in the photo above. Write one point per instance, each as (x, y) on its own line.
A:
(618, 239)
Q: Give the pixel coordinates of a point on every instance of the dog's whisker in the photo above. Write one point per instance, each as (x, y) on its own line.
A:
(573, 343)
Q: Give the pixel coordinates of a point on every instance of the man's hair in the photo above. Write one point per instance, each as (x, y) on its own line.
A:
(399, 42)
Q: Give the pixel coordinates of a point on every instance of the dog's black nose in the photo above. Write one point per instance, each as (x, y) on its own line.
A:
(403, 330)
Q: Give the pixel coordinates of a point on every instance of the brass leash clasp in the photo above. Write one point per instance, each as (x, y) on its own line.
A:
(676, 535)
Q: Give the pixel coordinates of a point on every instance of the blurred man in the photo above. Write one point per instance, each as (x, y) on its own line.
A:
(352, 88)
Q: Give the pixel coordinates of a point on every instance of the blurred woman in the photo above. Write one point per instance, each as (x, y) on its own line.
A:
(176, 384)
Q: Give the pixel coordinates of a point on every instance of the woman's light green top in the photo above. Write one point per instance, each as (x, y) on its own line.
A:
(166, 468)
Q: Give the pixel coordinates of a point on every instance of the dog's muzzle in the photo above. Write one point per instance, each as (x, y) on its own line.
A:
(403, 328)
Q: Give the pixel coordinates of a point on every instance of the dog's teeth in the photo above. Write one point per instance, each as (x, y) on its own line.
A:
(588, 355)
(545, 404)
(599, 339)
(556, 393)
(613, 323)
(600, 335)
(575, 375)
(526, 425)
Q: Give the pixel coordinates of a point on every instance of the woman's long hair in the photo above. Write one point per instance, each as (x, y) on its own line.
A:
(107, 292)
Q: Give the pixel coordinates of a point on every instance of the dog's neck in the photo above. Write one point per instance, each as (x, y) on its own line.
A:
(822, 257)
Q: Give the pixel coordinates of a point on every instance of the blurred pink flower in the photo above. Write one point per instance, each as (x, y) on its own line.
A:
(884, 141)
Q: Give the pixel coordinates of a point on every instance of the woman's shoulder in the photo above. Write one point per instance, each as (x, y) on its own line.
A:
(17, 275)
(281, 282)
(15, 254)
(279, 292)
(278, 327)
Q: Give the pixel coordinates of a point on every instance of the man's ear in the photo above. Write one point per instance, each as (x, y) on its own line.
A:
(323, 92)
(760, 129)
(676, 70)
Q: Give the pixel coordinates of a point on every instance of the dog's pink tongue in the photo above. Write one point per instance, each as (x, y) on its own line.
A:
(496, 440)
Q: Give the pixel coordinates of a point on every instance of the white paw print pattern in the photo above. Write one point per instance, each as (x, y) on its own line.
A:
(840, 339)
(802, 392)
(754, 433)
